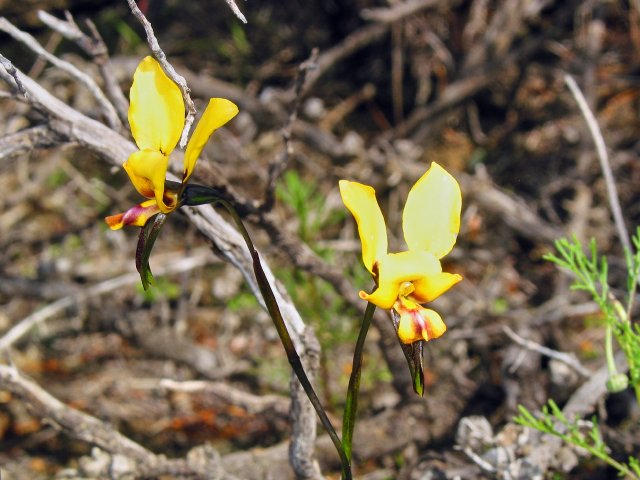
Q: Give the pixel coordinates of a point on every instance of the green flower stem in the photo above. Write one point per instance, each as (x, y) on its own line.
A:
(608, 349)
(200, 197)
(351, 405)
(617, 382)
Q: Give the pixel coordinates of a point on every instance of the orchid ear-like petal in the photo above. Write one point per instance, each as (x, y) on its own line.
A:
(361, 201)
(430, 287)
(431, 217)
(137, 216)
(156, 112)
(147, 170)
(218, 112)
(396, 269)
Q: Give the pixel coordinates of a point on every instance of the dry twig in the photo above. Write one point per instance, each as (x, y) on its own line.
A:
(91, 430)
(106, 107)
(566, 358)
(95, 47)
(605, 166)
(236, 10)
(280, 164)
(25, 325)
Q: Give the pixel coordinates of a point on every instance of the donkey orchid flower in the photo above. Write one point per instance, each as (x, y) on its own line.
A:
(156, 116)
(405, 280)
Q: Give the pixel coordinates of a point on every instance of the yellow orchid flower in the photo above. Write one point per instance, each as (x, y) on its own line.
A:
(156, 116)
(405, 280)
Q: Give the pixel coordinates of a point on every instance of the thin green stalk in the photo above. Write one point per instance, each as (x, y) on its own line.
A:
(285, 338)
(202, 196)
(608, 349)
(351, 405)
(617, 382)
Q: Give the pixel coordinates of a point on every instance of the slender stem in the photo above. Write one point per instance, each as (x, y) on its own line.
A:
(287, 342)
(608, 347)
(351, 405)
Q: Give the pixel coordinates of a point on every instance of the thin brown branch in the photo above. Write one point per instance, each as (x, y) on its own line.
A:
(400, 10)
(108, 110)
(566, 358)
(25, 325)
(96, 48)
(277, 167)
(351, 44)
(95, 432)
(254, 404)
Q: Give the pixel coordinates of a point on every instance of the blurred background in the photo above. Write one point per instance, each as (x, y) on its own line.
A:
(476, 85)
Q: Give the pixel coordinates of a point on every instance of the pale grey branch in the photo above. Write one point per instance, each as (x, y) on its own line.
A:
(106, 107)
(236, 10)
(603, 156)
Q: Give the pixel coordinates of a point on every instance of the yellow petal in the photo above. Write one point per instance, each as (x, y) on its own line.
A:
(147, 170)
(218, 112)
(361, 201)
(395, 269)
(418, 323)
(431, 217)
(156, 112)
(430, 287)
(136, 216)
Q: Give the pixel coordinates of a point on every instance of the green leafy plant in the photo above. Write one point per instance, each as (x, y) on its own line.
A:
(580, 433)
(591, 273)
(308, 204)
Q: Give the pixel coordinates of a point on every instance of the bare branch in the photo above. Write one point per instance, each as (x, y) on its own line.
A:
(355, 41)
(95, 47)
(82, 425)
(398, 11)
(91, 430)
(26, 324)
(26, 141)
(605, 166)
(280, 164)
(251, 403)
(236, 10)
(168, 69)
(106, 107)
(11, 70)
(304, 429)
(565, 358)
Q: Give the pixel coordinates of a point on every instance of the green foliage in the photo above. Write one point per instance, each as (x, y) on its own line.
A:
(240, 39)
(57, 178)
(308, 204)
(591, 273)
(242, 301)
(162, 287)
(125, 32)
(321, 306)
(582, 434)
